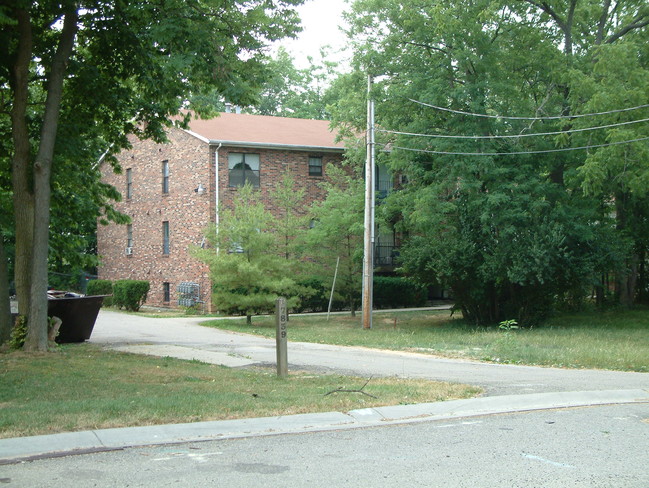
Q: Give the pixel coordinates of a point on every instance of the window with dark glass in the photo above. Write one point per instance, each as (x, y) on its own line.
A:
(165, 237)
(243, 168)
(315, 166)
(166, 292)
(129, 236)
(165, 176)
(383, 180)
(129, 183)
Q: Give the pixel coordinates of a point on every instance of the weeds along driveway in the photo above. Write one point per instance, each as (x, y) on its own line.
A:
(184, 338)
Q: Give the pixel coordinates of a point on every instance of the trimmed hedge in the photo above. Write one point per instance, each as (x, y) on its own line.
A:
(101, 287)
(397, 292)
(130, 294)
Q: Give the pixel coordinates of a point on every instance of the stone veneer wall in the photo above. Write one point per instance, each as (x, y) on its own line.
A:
(191, 161)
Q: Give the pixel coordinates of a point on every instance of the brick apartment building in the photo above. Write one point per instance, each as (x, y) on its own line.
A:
(173, 191)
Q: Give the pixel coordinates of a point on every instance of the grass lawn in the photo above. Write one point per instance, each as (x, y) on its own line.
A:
(81, 387)
(616, 340)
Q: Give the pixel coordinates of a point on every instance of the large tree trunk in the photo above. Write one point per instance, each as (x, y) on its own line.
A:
(626, 280)
(5, 305)
(40, 172)
(20, 174)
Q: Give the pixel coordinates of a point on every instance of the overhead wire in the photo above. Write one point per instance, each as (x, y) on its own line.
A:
(458, 153)
(552, 117)
(511, 136)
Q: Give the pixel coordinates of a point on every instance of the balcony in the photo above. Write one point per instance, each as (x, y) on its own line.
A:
(385, 255)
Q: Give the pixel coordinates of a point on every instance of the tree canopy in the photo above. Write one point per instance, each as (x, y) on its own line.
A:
(78, 76)
(513, 222)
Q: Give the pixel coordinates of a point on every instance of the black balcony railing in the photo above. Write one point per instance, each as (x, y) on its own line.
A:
(385, 255)
(383, 188)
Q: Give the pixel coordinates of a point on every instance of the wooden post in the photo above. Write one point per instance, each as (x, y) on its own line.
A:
(281, 317)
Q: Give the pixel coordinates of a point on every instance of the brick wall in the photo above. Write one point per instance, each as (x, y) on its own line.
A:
(273, 164)
(191, 161)
(187, 212)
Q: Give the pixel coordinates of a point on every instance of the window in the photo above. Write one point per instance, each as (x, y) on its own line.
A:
(315, 166)
(129, 183)
(165, 176)
(129, 236)
(165, 237)
(166, 292)
(383, 180)
(244, 168)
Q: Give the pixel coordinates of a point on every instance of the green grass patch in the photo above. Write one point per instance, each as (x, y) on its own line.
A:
(81, 387)
(616, 340)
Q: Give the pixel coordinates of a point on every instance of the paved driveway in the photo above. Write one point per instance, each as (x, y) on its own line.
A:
(184, 338)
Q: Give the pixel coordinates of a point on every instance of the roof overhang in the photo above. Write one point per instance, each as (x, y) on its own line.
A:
(286, 147)
(266, 145)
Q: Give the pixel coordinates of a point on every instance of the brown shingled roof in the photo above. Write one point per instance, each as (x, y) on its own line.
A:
(266, 130)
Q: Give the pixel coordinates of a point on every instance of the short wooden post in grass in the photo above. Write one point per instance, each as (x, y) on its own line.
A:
(281, 318)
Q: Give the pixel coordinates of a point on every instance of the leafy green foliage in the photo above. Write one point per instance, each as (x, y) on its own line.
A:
(130, 294)
(511, 235)
(101, 287)
(248, 273)
(73, 93)
(396, 292)
(293, 92)
(291, 220)
(18, 333)
(337, 235)
(314, 296)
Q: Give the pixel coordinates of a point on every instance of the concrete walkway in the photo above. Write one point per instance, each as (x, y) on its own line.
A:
(508, 388)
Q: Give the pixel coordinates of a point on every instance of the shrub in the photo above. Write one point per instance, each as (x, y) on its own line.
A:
(395, 292)
(130, 294)
(313, 296)
(101, 287)
(18, 333)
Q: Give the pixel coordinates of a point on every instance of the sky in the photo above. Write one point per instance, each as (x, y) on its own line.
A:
(320, 22)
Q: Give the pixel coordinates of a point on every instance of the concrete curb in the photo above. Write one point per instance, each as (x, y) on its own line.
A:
(38, 447)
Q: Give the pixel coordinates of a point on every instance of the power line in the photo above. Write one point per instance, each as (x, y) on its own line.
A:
(556, 117)
(511, 136)
(518, 152)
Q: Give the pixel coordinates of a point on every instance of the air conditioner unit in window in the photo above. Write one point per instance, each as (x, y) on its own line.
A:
(129, 251)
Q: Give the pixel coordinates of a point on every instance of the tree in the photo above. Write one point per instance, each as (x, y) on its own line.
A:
(115, 68)
(294, 92)
(503, 230)
(248, 273)
(337, 233)
(617, 175)
(288, 198)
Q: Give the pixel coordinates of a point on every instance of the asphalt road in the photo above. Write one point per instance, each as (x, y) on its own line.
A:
(182, 337)
(600, 447)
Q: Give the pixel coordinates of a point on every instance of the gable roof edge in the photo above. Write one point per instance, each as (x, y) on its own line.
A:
(197, 136)
(270, 145)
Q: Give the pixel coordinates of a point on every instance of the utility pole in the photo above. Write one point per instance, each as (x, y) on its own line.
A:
(368, 241)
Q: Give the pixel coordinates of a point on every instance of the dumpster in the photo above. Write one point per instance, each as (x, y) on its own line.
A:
(78, 314)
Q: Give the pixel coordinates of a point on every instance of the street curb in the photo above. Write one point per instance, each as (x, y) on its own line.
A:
(23, 449)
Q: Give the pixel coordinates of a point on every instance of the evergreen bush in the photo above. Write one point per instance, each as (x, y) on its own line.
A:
(130, 294)
(101, 287)
(397, 292)
(314, 296)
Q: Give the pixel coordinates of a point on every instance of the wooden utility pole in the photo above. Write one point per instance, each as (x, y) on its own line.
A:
(368, 241)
